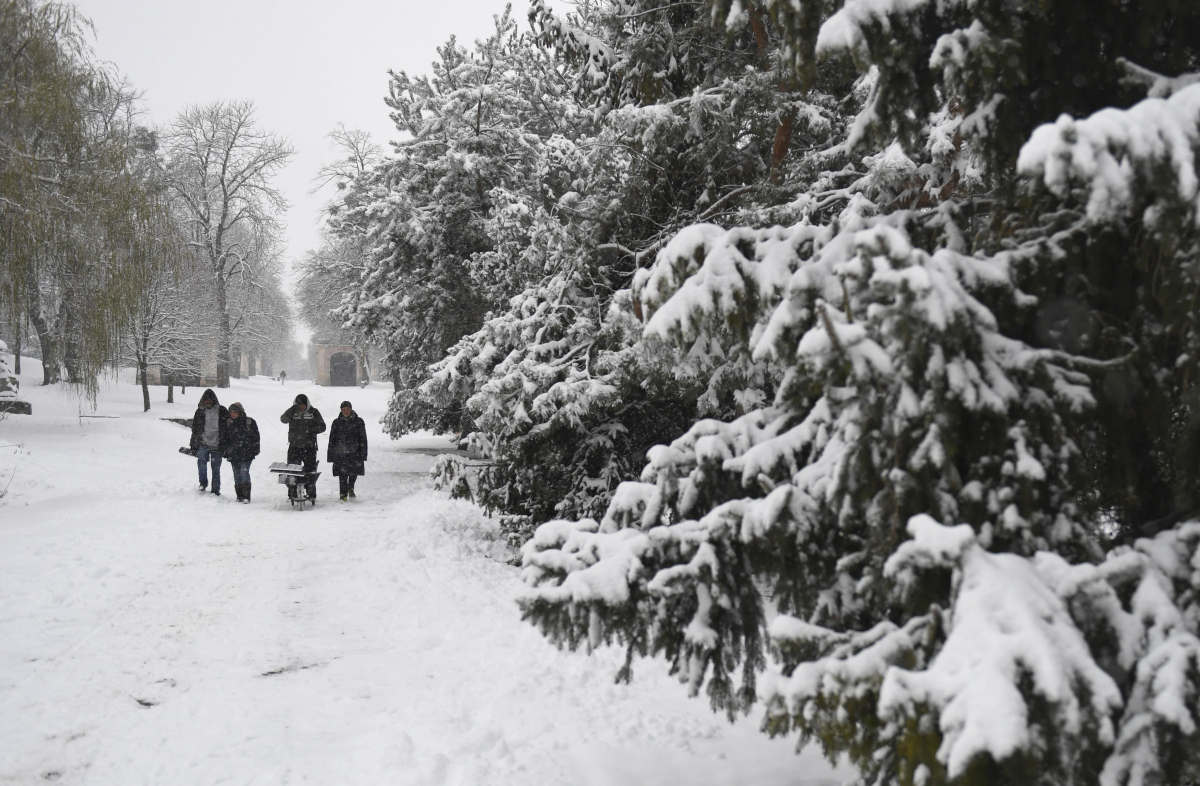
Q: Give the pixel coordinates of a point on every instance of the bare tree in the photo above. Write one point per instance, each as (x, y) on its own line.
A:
(260, 314)
(167, 326)
(326, 281)
(358, 153)
(219, 166)
(329, 275)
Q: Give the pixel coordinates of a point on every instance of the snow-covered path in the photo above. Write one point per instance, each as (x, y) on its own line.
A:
(151, 634)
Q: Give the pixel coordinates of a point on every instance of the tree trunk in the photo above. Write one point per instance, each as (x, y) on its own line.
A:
(17, 354)
(46, 342)
(142, 364)
(761, 39)
(783, 132)
(362, 358)
(224, 341)
(170, 393)
(145, 387)
(783, 140)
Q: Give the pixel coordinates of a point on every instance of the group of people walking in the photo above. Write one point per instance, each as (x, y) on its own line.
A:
(219, 433)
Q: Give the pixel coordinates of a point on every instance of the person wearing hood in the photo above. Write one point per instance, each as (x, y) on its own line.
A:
(242, 446)
(210, 434)
(347, 449)
(304, 424)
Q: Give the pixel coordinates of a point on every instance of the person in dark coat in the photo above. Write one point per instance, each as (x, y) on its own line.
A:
(210, 433)
(347, 450)
(243, 445)
(304, 424)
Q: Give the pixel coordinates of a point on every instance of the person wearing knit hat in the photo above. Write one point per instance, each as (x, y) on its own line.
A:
(304, 423)
(242, 448)
(210, 434)
(347, 450)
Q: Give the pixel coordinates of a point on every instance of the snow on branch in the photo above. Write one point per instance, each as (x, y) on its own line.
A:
(1104, 654)
(1123, 159)
(1007, 628)
(844, 31)
(1157, 85)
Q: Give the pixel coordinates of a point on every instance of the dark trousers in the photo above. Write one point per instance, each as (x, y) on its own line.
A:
(308, 458)
(346, 483)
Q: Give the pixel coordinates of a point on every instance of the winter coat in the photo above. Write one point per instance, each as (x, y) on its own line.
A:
(347, 445)
(243, 439)
(303, 427)
(222, 425)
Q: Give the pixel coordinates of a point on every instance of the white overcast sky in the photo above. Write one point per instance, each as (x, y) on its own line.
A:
(307, 65)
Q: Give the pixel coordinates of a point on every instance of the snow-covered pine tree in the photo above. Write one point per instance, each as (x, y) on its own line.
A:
(427, 209)
(561, 391)
(996, 300)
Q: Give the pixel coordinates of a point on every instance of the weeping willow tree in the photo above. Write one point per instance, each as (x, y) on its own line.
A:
(82, 221)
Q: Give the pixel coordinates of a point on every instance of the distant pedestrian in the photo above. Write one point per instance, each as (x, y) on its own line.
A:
(347, 449)
(304, 424)
(209, 436)
(243, 445)
(282, 376)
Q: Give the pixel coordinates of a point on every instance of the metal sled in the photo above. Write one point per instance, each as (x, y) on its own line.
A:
(296, 479)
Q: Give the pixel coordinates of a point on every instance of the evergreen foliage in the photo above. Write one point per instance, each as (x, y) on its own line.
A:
(468, 167)
(982, 319)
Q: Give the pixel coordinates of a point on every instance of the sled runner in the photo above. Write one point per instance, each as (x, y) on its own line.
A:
(296, 479)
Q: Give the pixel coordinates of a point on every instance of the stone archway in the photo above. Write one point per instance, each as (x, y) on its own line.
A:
(343, 370)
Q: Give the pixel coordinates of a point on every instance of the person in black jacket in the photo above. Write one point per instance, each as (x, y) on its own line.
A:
(304, 424)
(242, 447)
(209, 435)
(347, 449)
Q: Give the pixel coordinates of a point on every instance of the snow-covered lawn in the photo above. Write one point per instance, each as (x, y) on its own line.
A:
(152, 634)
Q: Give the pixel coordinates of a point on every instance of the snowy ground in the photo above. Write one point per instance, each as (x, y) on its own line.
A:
(151, 634)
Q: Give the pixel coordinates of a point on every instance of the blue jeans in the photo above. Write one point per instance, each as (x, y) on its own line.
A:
(241, 471)
(204, 455)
